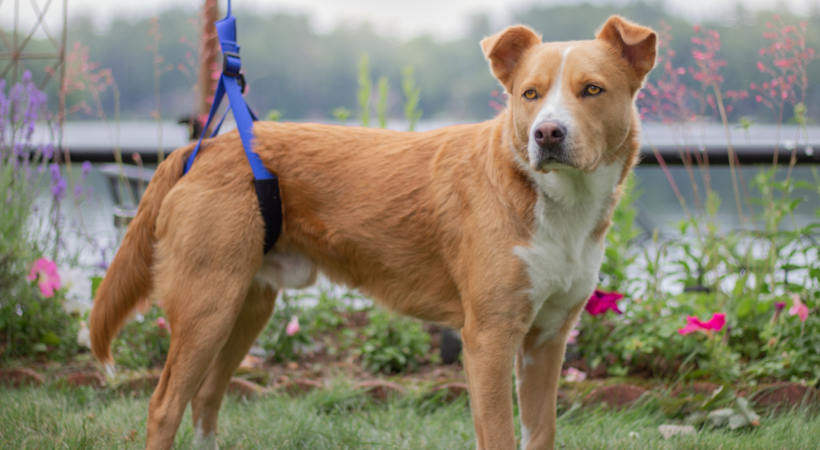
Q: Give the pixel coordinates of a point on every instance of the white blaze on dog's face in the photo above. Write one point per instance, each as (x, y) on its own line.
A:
(571, 103)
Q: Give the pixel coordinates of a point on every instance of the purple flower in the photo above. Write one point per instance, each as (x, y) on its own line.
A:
(58, 183)
(48, 151)
(86, 168)
(778, 306)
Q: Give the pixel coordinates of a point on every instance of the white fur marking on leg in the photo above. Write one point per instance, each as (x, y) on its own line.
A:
(525, 436)
(203, 441)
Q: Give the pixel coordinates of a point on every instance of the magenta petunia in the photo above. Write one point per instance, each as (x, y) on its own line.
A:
(600, 302)
(693, 324)
(44, 271)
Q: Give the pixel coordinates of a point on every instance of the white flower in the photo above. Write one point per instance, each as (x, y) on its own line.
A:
(78, 290)
(84, 336)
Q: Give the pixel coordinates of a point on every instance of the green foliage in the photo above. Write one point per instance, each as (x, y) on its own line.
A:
(381, 106)
(392, 343)
(703, 270)
(275, 338)
(341, 114)
(412, 95)
(274, 115)
(143, 341)
(30, 324)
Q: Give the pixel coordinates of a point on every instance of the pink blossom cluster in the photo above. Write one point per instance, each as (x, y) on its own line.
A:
(787, 57)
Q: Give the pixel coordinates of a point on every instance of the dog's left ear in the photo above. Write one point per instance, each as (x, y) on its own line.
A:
(638, 44)
(504, 51)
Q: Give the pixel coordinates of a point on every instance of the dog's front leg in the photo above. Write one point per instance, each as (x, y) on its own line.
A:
(538, 369)
(488, 361)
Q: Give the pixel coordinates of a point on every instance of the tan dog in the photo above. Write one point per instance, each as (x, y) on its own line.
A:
(495, 228)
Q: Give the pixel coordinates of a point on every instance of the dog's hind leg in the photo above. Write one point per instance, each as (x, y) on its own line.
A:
(205, 406)
(209, 247)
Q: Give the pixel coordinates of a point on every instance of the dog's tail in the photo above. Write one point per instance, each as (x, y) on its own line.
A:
(129, 278)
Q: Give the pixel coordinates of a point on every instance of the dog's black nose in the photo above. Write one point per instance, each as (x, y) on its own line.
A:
(550, 134)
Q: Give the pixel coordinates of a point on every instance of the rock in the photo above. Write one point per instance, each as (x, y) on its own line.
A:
(144, 383)
(784, 396)
(299, 386)
(244, 389)
(449, 391)
(676, 430)
(20, 376)
(251, 362)
(698, 388)
(93, 379)
(615, 396)
(380, 389)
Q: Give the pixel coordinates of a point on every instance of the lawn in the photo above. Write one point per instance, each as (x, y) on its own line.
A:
(340, 417)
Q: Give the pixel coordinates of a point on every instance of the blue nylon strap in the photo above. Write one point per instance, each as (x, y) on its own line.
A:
(231, 82)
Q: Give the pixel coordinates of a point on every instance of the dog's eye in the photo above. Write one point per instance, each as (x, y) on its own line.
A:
(591, 90)
(530, 94)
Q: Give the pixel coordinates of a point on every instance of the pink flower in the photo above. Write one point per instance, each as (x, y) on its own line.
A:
(601, 301)
(693, 324)
(799, 308)
(293, 326)
(163, 324)
(574, 375)
(572, 336)
(45, 272)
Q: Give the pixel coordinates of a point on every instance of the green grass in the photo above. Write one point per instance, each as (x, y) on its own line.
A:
(54, 417)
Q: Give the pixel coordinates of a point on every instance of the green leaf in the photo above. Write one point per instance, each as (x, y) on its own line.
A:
(50, 338)
(95, 284)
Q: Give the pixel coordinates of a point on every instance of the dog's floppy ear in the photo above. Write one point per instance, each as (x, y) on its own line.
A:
(504, 50)
(637, 44)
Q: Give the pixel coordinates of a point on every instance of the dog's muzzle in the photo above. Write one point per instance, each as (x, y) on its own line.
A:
(550, 138)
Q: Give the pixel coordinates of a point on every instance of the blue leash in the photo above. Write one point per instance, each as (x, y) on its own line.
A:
(232, 83)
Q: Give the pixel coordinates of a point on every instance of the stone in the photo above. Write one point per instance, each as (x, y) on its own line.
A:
(93, 379)
(144, 383)
(299, 386)
(784, 396)
(244, 389)
(380, 389)
(615, 396)
(449, 391)
(20, 376)
(676, 430)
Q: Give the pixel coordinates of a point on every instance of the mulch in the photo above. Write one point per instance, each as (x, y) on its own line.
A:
(445, 383)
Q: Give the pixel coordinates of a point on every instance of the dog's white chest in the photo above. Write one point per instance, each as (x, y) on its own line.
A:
(563, 258)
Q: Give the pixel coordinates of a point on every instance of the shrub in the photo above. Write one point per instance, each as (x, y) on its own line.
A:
(280, 337)
(392, 343)
(32, 324)
(143, 341)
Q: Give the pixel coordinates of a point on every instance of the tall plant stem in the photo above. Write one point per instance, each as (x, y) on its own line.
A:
(733, 161)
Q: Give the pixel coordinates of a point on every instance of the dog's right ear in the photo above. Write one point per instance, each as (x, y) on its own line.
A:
(504, 50)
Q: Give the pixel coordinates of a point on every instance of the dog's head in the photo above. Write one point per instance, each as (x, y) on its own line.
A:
(571, 103)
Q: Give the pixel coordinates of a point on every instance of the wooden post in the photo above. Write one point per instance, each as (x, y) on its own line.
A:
(209, 61)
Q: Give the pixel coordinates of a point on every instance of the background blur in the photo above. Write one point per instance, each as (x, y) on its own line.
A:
(301, 57)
